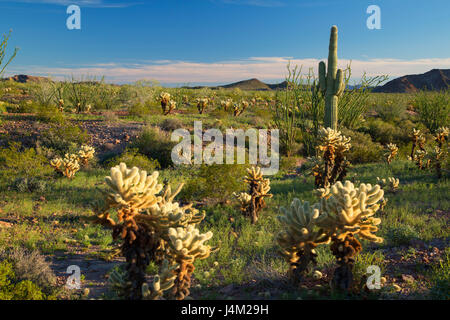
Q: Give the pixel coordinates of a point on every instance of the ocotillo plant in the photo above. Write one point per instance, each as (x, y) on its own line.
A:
(331, 82)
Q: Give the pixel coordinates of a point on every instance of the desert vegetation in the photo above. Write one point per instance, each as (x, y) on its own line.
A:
(86, 179)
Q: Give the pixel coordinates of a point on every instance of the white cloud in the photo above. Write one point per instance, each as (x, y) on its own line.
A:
(264, 68)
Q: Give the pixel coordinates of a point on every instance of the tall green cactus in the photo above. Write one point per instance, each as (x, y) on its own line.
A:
(332, 82)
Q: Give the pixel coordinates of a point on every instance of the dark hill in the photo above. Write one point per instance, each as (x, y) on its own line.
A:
(436, 79)
(251, 84)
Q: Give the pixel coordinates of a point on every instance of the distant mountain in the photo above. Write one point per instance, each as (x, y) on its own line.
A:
(251, 84)
(23, 78)
(436, 79)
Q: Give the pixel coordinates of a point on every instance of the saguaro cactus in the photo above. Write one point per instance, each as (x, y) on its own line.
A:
(331, 82)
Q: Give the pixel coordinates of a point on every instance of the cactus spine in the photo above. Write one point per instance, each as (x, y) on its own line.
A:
(331, 82)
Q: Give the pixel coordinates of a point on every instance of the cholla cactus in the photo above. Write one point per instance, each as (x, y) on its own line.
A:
(67, 166)
(391, 152)
(226, 104)
(85, 154)
(237, 111)
(332, 162)
(164, 281)
(61, 105)
(143, 224)
(258, 189)
(441, 136)
(243, 197)
(185, 246)
(342, 213)
(132, 189)
(391, 183)
(418, 140)
(164, 99)
(202, 103)
(348, 211)
(300, 236)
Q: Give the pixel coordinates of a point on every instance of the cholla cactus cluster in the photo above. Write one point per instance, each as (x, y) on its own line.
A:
(202, 104)
(71, 163)
(85, 154)
(226, 104)
(252, 202)
(418, 140)
(300, 236)
(391, 183)
(67, 166)
(185, 246)
(167, 105)
(237, 111)
(331, 163)
(434, 156)
(342, 212)
(391, 152)
(146, 222)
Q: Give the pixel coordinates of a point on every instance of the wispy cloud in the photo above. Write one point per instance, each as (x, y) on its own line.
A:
(264, 68)
(81, 3)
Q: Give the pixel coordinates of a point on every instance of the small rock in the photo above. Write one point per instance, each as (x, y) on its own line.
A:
(407, 278)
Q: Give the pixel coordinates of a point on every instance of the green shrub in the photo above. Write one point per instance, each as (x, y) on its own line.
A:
(384, 132)
(401, 234)
(134, 159)
(215, 182)
(363, 149)
(27, 163)
(24, 184)
(433, 108)
(440, 279)
(155, 144)
(63, 139)
(50, 114)
(390, 113)
(12, 289)
(139, 110)
(171, 124)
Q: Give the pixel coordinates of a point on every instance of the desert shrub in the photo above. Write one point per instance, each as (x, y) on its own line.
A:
(133, 158)
(50, 114)
(139, 109)
(27, 163)
(215, 182)
(171, 124)
(363, 149)
(25, 106)
(13, 289)
(63, 139)
(288, 164)
(155, 144)
(433, 109)
(384, 132)
(389, 112)
(440, 279)
(401, 234)
(31, 265)
(24, 184)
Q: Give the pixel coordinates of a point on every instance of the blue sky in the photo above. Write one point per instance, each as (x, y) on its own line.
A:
(219, 41)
